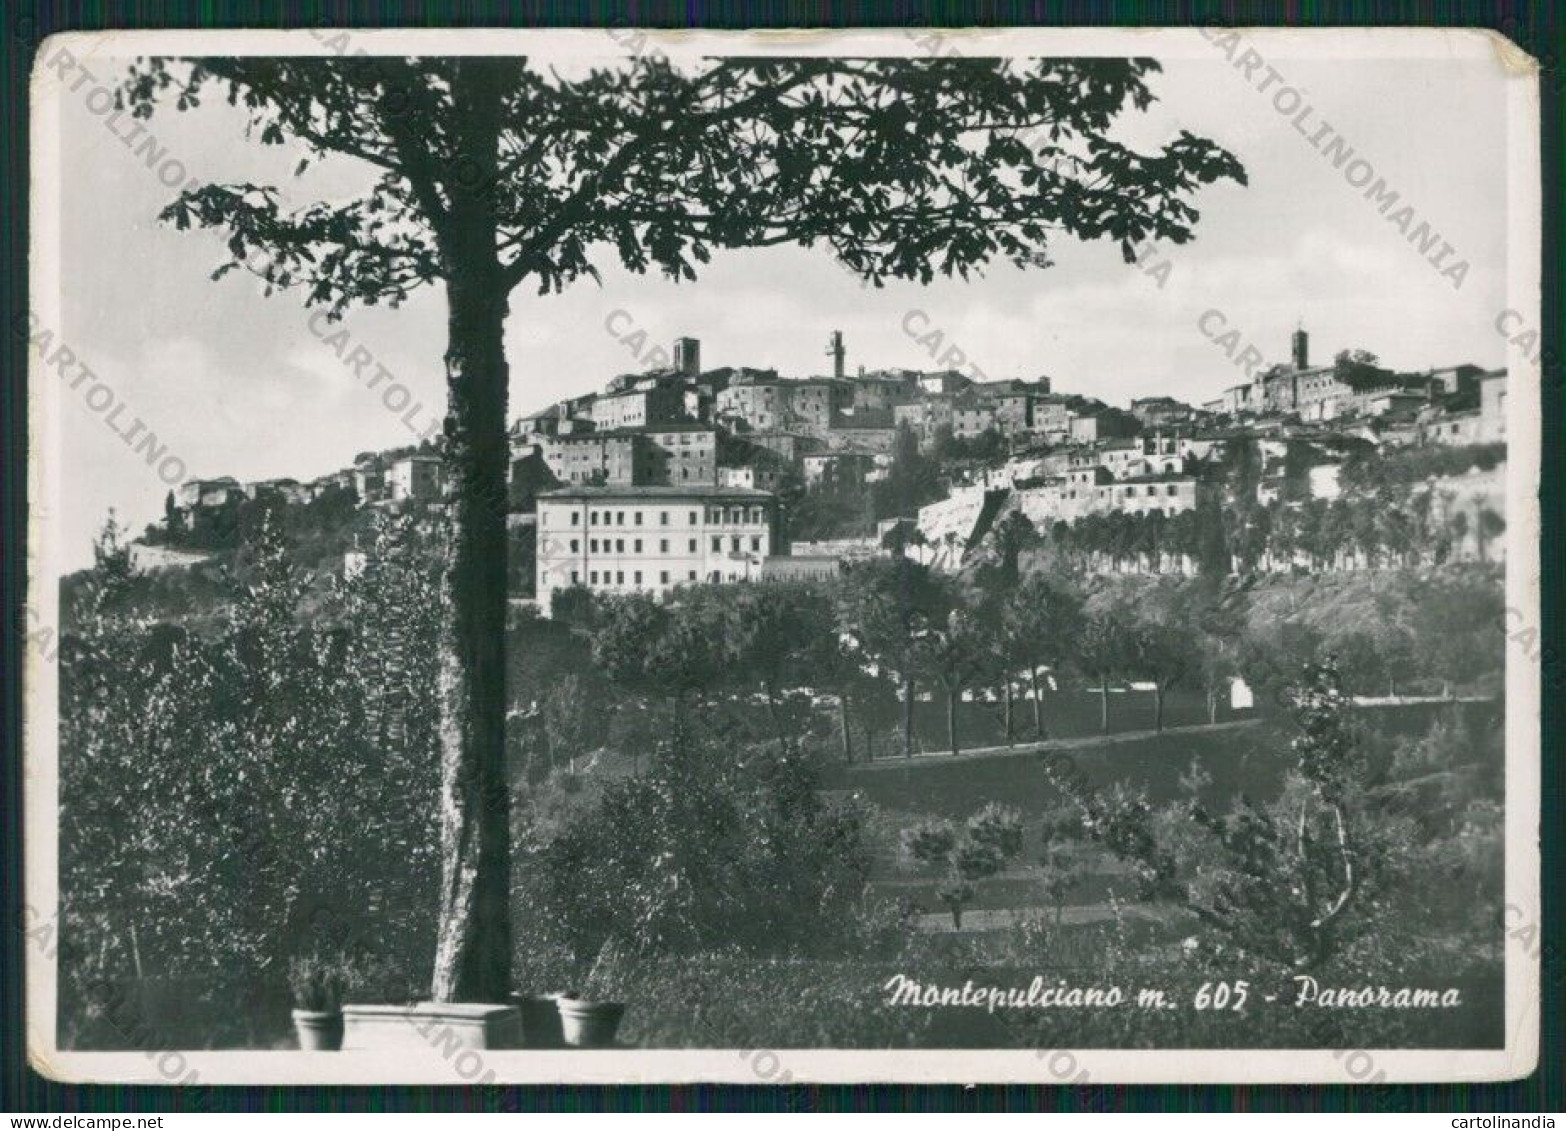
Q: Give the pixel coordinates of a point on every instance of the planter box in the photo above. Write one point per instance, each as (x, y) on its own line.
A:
(429, 1024)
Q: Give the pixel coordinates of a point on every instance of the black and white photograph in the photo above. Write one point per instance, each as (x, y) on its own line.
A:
(892, 555)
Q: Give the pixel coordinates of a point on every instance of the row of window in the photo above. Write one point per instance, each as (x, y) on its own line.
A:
(1126, 492)
(736, 515)
(618, 474)
(589, 446)
(617, 577)
(617, 545)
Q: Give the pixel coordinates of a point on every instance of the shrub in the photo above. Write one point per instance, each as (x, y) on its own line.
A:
(714, 845)
(989, 838)
(318, 982)
(229, 802)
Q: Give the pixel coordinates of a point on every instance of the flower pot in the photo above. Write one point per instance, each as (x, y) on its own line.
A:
(589, 1024)
(540, 1020)
(319, 1031)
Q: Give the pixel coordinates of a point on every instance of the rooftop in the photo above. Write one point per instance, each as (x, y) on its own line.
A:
(701, 491)
(637, 430)
(1007, 386)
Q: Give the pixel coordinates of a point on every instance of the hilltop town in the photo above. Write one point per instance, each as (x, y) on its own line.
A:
(797, 683)
(685, 475)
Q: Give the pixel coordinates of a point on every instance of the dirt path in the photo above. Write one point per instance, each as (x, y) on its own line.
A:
(1027, 749)
(996, 919)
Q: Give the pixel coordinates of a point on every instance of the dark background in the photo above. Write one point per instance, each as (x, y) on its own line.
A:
(1536, 28)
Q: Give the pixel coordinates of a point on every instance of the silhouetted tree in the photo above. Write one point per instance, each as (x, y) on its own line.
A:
(494, 172)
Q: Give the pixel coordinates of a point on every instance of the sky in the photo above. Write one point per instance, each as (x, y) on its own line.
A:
(245, 385)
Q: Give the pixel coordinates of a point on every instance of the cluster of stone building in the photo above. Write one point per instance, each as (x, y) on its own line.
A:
(685, 440)
(670, 477)
(719, 438)
(1461, 404)
(374, 479)
(689, 425)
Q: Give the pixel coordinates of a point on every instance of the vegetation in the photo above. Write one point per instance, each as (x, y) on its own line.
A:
(318, 982)
(458, 147)
(714, 846)
(982, 847)
(231, 803)
(1035, 627)
(689, 808)
(1387, 530)
(913, 480)
(1373, 470)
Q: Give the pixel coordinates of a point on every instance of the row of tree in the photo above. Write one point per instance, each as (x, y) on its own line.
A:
(1298, 879)
(1388, 516)
(892, 630)
(1347, 533)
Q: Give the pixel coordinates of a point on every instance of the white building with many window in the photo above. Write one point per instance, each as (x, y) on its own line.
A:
(651, 539)
(1093, 490)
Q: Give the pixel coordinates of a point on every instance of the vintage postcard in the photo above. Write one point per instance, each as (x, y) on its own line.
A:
(889, 555)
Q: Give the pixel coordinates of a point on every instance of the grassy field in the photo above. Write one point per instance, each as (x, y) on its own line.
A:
(1068, 713)
(1247, 757)
(813, 1003)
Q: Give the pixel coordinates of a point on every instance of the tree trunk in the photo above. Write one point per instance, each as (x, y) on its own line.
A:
(677, 728)
(1212, 705)
(1103, 705)
(1038, 704)
(951, 719)
(772, 713)
(843, 722)
(473, 947)
(1158, 709)
(1010, 730)
(908, 716)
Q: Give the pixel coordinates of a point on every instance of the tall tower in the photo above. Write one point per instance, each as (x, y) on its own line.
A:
(687, 356)
(835, 351)
(1301, 342)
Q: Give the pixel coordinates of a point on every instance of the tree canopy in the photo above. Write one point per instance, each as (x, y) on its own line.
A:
(492, 171)
(905, 167)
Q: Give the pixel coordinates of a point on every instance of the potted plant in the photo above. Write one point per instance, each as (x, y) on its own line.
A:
(544, 966)
(317, 984)
(540, 1019)
(592, 1019)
